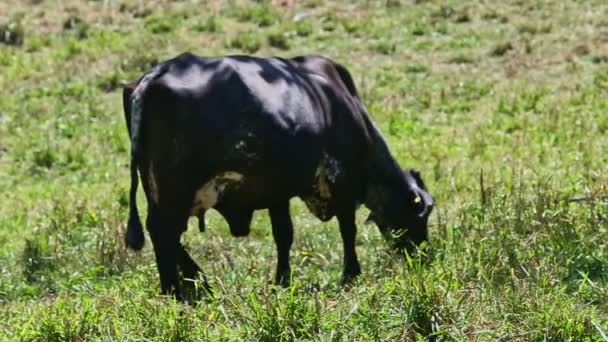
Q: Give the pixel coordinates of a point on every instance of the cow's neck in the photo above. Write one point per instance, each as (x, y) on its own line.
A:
(383, 171)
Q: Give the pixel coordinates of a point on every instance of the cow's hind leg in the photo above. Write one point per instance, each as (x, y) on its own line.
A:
(348, 230)
(165, 239)
(282, 231)
(191, 272)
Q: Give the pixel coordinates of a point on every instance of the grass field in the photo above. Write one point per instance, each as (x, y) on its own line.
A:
(502, 105)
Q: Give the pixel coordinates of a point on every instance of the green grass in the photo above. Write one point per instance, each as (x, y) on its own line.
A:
(503, 106)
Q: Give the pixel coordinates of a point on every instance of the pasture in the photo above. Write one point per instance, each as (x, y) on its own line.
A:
(502, 106)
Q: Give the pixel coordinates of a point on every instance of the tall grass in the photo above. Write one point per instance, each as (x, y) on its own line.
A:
(501, 105)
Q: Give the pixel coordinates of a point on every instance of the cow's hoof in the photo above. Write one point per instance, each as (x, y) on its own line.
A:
(239, 233)
(193, 291)
(283, 281)
(201, 224)
(349, 278)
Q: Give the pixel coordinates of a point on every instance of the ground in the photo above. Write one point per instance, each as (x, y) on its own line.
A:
(502, 106)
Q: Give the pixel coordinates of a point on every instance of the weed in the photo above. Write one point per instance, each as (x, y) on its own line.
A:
(581, 50)
(351, 25)
(278, 40)
(384, 47)
(109, 82)
(44, 157)
(36, 43)
(247, 42)
(76, 26)
(444, 12)
(263, 15)
(533, 29)
(419, 29)
(140, 62)
(291, 317)
(461, 59)
(330, 23)
(599, 59)
(448, 12)
(312, 3)
(494, 16)
(160, 24)
(36, 258)
(416, 69)
(303, 28)
(393, 3)
(501, 49)
(211, 24)
(462, 18)
(136, 10)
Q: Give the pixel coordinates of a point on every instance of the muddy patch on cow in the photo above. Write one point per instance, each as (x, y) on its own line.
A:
(208, 195)
(320, 202)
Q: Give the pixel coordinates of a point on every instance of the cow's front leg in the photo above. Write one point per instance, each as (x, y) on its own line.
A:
(165, 239)
(282, 231)
(348, 230)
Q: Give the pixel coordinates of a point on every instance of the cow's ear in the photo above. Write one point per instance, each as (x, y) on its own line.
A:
(416, 175)
(371, 219)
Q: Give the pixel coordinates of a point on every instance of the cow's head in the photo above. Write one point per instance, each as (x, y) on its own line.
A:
(401, 210)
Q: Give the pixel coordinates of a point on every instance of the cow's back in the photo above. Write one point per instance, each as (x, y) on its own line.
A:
(261, 119)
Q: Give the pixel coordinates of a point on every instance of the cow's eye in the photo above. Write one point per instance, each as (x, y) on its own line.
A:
(417, 199)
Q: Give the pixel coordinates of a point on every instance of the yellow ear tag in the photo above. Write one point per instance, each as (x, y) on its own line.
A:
(417, 199)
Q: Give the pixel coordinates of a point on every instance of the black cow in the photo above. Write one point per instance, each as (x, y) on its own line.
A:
(242, 133)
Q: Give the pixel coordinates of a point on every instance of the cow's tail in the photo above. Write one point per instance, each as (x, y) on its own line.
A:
(133, 105)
